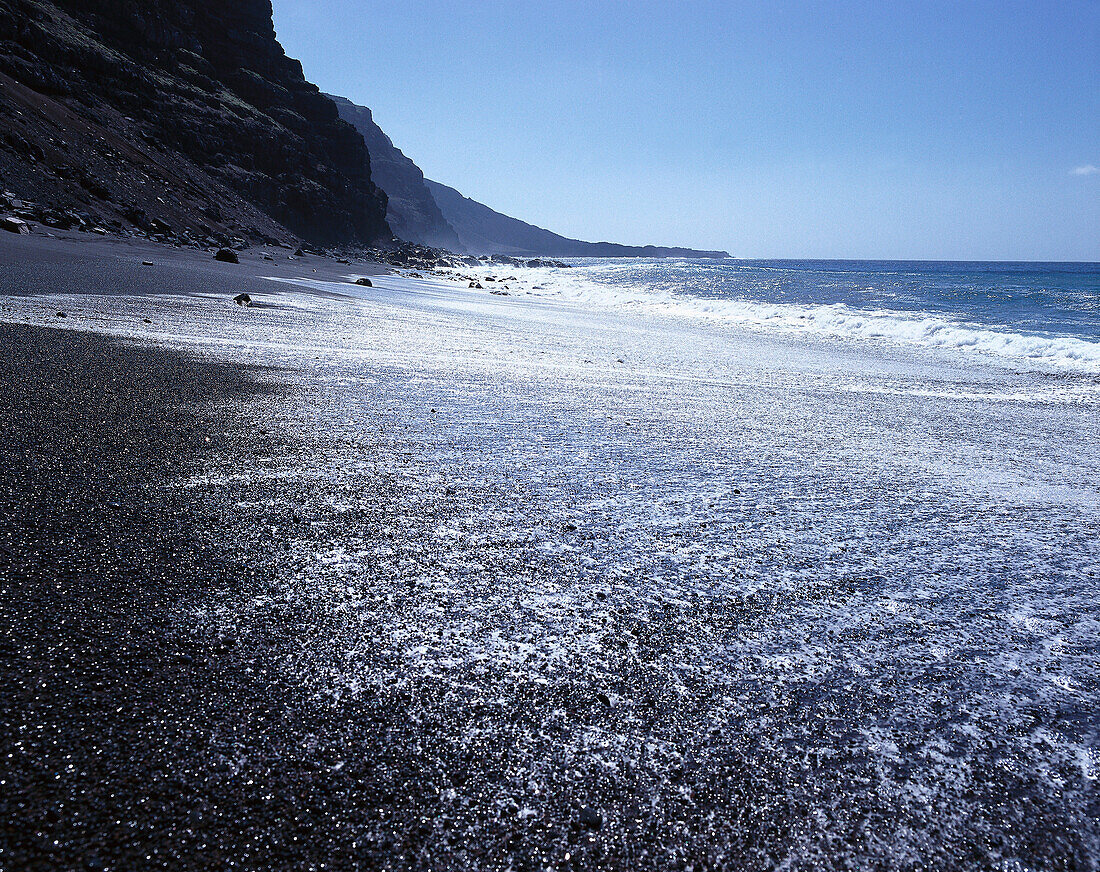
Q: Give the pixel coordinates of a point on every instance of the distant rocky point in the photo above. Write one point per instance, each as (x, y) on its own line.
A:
(412, 212)
(485, 231)
(432, 214)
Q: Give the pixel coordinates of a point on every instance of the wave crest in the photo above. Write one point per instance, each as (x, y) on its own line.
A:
(833, 321)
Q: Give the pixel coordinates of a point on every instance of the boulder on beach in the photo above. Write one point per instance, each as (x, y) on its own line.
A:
(14, 225)
(366, 283)
(227, 255)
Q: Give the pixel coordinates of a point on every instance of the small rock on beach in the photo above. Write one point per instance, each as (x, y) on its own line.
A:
(14, 225)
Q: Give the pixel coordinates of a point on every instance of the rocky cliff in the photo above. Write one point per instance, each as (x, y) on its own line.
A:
(187, 109)
(412, 213)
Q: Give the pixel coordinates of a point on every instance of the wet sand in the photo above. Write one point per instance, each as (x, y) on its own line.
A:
(417, 578)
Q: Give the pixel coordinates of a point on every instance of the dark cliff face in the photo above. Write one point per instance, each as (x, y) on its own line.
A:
(205, 79)
(412, 213)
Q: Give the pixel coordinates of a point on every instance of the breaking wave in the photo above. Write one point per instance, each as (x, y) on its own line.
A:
(831, 321)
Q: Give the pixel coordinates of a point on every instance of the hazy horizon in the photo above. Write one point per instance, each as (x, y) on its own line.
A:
(926, 131)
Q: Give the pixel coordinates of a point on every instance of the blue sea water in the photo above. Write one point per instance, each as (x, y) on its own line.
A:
(1046, 312)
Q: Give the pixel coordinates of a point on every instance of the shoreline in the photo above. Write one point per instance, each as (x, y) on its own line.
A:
(461, 580)
(70, 263)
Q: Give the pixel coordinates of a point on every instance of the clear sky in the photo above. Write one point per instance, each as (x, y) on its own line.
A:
(870, 129)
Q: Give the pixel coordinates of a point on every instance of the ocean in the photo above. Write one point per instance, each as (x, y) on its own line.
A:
(1042, 313)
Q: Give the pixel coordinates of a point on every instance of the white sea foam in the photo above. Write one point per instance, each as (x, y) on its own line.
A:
(835, 321)
(1068, 393)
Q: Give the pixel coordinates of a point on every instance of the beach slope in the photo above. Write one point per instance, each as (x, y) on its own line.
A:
(421, 576)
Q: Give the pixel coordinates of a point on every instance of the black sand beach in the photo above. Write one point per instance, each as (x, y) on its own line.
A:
(80, 263)
(429, 579)
(129, 743)
(348, 523)
(113, 723)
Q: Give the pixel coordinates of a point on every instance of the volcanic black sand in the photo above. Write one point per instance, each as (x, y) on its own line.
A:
(127, 743)
(102, 710)
(77, 263)
(420, 577)
(112, 726)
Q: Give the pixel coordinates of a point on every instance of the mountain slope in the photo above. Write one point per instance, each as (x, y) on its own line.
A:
(485, 231)
(412, 213)
(181, 107)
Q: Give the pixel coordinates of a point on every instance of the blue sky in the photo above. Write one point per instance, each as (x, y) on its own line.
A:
(947, 130)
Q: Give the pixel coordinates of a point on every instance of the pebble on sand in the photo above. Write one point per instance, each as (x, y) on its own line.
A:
(591, 818)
